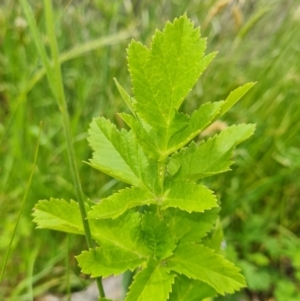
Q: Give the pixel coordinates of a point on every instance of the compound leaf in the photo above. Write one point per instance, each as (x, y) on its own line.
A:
(163, 75)
(201, 263)
(108, 260)
(212, 156)
(151, 283)
(161, 240)
(185, 289)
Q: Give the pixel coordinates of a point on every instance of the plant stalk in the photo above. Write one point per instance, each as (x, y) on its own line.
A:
(22, 207)
(55, 81)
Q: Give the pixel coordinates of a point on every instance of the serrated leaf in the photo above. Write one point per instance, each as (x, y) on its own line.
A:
(143, 136)
(212, 156)
(119, 155)
(153, 141)
(178, 212)
(152, 283)
(127, 99)
(201, 263)
(185, 289)
(156, 235)
(179, 122)
(183, 129)
(163, 75)
(234, 97)
(123, 232)
(63, 216)
(120, 241)
(108, 260)
(108, 143)
(199, 120)
(188, 196)
(215, 240)
(189, 227)
(121, 201)
(58, 214)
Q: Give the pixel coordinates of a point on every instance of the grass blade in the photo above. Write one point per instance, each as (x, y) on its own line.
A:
(55, 81)
(22, 207)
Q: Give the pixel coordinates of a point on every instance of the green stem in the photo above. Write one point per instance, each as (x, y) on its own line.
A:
(22, 207)
(68, 269)
(37, 40)
(62, 104)
(55, 81)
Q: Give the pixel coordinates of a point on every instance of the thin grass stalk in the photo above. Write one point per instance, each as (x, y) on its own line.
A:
(60, 96)
(55, 81)
(77, 51)
(32, 258)
(17, 292)
(38, 44)
(22, 208)
(68, 270)
(58, 86)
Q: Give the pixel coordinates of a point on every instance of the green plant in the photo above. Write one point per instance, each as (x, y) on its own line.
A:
(158, 226)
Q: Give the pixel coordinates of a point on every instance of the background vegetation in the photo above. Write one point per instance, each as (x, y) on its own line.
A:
(257, 41)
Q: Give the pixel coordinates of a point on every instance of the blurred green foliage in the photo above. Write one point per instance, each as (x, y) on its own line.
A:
(257, 41)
